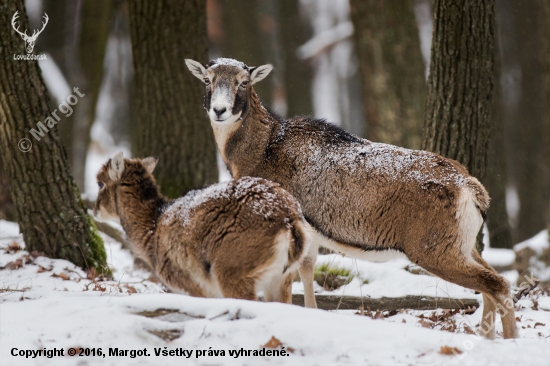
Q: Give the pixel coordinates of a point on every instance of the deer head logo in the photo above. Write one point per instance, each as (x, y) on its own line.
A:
(29, 40)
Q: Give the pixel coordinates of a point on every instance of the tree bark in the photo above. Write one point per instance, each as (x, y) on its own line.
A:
(50, 212)
(297, 73)
(392, 69)
(171, 122)
(244, 40)
(7, 210)
(530, 156)
(498, 224)
(544, 34)
(460, 84)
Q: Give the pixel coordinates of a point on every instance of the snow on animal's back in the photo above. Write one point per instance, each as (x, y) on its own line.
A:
(389, 163)
(258, 196)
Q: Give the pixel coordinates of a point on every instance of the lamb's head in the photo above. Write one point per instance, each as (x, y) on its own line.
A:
(118, 177)
(228, 86)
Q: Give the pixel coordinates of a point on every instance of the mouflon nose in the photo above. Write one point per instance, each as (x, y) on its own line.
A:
(219, 112)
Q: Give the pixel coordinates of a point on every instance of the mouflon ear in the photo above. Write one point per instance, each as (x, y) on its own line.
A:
(117, 167)
(150, 163)
(259, 73)
(196, 69)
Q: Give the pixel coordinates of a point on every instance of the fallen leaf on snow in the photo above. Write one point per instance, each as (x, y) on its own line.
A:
(446, 350)
(273, 343)
(15, 264)
(44, 269)
(13, 248)
(62, 275)
(424, 323)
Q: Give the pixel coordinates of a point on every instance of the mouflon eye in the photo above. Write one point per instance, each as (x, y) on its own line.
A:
(207, 81)
(244, 84)
(100, 184)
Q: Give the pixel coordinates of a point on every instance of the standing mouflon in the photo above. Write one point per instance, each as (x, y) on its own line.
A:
(368, 200)
(231, 239)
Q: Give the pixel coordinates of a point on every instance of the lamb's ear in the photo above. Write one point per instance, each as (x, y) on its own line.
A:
(117, 167)
(150, 163)
(196, 69)
(259, 73)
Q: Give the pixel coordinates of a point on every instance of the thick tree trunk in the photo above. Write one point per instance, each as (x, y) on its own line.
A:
(498, 224)
(297, 73)
(171, 122)
(460, 84)
(544, 34)
(244, 41)
(7, 209)
(392, 69)
(50, 212)
(532, 175)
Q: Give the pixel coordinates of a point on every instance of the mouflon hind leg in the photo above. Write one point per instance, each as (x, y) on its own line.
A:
(474, 273)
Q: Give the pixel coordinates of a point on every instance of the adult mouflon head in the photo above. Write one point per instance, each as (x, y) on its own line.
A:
(120, 173)
(228, 86)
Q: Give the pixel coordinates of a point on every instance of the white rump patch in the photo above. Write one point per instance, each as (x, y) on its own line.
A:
(469, 220)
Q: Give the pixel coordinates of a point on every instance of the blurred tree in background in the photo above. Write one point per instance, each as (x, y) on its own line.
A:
(170, 120)
(77, 42)
(460, 84)
(500, 230)
(527, 149)
(392, 69)
(50, 211)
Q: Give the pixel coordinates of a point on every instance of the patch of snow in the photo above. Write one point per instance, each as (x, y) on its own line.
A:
(54, 79)
(229, 62)
(498, 257)
(538, 243)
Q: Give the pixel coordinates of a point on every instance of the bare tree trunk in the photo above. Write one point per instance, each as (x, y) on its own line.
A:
(7, 210)
(392, 69)
(460, 84)
(544, 34)
(243, 40)
(78, 47)
(532, 175)
(50, 212)
(94, 32)
(171, 122)
(500, 231)
(297, 73)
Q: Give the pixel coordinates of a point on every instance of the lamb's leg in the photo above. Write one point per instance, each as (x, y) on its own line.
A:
(306, 275)
(286, 289)
(280, 289)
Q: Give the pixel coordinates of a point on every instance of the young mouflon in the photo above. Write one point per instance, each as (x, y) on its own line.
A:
(369, 200)
(230, 239)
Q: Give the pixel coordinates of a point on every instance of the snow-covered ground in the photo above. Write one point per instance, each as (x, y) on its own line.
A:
(47, 303)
